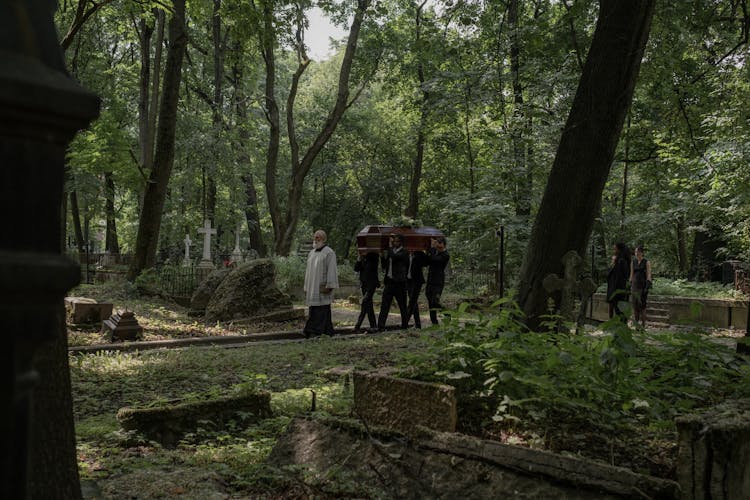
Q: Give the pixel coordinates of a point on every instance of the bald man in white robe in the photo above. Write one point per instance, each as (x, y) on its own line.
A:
(321, 278)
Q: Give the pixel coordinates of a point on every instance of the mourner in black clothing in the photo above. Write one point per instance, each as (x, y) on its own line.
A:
(640, 283)
(414, 282)
(437, 259)
(395, 266)
(367, 267)
(617, 280)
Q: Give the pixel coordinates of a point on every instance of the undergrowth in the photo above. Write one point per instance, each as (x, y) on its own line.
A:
(613, 380)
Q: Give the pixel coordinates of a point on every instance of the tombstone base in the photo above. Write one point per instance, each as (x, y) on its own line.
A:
(122, 326)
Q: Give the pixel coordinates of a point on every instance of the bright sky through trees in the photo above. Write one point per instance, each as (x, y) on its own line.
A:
(319, 35)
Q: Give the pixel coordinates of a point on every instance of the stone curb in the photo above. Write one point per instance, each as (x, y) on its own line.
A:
(224, 340)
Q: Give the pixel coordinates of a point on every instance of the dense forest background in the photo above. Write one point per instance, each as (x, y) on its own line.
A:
(445, 112)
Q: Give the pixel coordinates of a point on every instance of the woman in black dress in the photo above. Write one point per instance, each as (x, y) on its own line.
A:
(640, 282)
(617, 279)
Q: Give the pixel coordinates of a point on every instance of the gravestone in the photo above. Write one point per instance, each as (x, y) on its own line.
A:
(122, 326)
(41, 108)
(186, 261)
(570, 285)
(206, 289)
(236, 257)
(83, 310)
(206, 265)
(404, 404)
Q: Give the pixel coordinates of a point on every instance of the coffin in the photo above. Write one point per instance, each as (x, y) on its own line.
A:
(375, 238)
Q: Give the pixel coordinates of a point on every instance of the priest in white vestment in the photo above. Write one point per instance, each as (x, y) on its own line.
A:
(321, 278)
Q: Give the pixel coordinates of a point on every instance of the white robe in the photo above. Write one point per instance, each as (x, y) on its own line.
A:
(321, 270)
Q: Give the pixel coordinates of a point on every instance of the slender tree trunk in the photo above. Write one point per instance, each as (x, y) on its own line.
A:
(144, 81)
(76, 216)
(412, 209)
(156, 189)
(216, 115)
(625, 168)
(522, 189)
(267, 42)
(155, 86)
(252, 215)
(587, 147)
(299, 172)
(111, 245)
(682, 259)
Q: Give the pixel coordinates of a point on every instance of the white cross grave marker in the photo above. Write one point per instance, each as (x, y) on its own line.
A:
(187, 242)
(207, 231)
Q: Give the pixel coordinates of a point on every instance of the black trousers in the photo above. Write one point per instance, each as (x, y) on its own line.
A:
(433, 292)
(367, 308)
(414, 290)
(319, 321)
(397, 290)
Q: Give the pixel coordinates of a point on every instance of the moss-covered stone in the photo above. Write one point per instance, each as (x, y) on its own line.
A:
(248, 290)
(167, 423)
(206, 289)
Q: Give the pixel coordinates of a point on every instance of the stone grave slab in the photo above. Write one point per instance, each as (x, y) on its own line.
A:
(168, 423)
(382, 464)
(122, 326)
(83, 310)
(404, 404)
(713, 460)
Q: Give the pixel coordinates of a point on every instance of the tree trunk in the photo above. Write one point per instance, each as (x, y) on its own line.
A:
(155, 85)
(267, 42)
(156, 189)
(625, 168)
(299, 172)
(144, 81)
(110, 242)
(76, 216)
(682, 261)
(412, 209)
(522, 174)
(587, 147)
(252, 215)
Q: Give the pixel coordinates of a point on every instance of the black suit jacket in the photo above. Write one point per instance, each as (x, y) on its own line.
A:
(400, 264)
(418, 263)
(367, 268)
(436, 262)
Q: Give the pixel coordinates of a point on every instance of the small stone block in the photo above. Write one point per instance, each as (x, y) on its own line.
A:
(404, 405)
(122, 326)
(82, 310)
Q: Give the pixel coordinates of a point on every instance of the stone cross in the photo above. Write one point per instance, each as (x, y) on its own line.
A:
(187, 242)
(207, 231)
(569, 285)
(236, 257)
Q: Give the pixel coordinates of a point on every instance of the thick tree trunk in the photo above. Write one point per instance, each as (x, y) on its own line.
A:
(587, 147)
(110, 242)
(299, 172)
(156, 189)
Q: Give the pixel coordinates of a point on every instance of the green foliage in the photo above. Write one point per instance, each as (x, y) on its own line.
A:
(615, 379)
(686, 288)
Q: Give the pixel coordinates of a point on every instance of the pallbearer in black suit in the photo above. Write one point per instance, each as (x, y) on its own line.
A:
(414, 282)
(367, 267)
(396, 266)
(437, 259)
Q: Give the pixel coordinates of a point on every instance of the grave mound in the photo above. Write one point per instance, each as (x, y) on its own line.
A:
(247, 291)
(167, 423)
